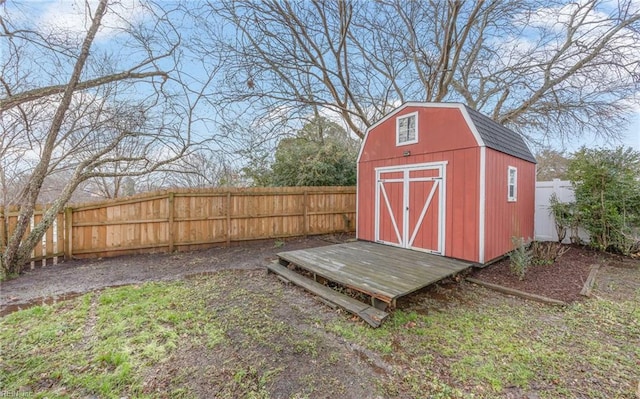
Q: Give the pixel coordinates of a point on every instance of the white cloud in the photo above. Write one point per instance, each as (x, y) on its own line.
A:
(544, 34)
(556, 18)
(74, 16)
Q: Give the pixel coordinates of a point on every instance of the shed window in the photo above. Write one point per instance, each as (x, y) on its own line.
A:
(512, 184)
(407, 129)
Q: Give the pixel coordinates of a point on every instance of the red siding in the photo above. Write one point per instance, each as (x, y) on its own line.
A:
(462, 198)
(439, 129)
(504, 219)
(443, 135)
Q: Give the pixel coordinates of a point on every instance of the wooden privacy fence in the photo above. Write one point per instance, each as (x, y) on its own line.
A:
(188, 219)
(52, 244)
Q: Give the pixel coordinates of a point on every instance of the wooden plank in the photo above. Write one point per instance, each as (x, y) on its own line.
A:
(12, 223)
(171, 220)
(410, 255)
(228, 219)
(305, 205)
(380, 271)
(92, 251)
(117, 202)
(68, 225)
(60, 239)
(199, 217)
(372, 274)
(38, 250)
(344, 276)
(10, 211)
(119, 222)
(266, 215)
(353, 256)
(48, 244)
(49, 255)
(374, 317)
(3, 230)
(354, 264)
(591, 279)
(251, 193)
(518, 293)
(408, 262)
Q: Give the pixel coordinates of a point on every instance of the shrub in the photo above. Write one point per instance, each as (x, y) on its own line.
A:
(607, 189)
(546, 253)
(566, 218)
(520, 258)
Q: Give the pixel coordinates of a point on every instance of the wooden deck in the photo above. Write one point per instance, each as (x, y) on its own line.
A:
(382, 272)
(370, 314)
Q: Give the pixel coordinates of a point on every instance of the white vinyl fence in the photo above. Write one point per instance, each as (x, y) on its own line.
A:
(545, 229)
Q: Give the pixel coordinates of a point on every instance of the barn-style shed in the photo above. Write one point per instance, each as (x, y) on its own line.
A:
(445, 179)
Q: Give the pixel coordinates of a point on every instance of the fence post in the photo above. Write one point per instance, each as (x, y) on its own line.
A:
(228, 218)
(57, 236)
(305, 222)
(3, 230)
(68, 227)
(171, 200)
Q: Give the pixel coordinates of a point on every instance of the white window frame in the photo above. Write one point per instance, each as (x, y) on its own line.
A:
(398, 119)
(514, 197)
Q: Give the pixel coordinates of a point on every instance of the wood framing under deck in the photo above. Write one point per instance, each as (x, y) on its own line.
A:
(383, 272)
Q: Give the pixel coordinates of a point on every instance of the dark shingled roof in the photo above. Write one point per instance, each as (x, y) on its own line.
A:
(499, 137)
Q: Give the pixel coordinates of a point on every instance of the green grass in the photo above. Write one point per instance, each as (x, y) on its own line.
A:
(240, 334)
(481, 347)
(100, 343)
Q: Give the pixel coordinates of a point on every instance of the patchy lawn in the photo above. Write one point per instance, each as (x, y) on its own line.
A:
(241, 333)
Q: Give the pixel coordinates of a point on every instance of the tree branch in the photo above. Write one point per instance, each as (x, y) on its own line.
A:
(35, 94)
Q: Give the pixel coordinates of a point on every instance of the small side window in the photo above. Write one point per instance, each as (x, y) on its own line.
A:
(407, 129)
(512, 184)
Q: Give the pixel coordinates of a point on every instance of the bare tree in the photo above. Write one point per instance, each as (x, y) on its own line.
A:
(91, 113)
(198, 169)
(13, 165)
(551, 70)
(552, 164)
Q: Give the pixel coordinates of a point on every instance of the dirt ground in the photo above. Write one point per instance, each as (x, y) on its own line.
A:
(562, 280)
(278, 341)
(282, 348)
(72, 278)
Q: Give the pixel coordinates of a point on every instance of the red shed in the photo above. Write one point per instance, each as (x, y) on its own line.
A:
(445, 179)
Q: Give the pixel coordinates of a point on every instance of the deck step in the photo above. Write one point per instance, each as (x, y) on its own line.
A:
(371, 315)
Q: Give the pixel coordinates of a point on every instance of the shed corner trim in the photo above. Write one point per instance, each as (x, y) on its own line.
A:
(472, 126)
(481, 204)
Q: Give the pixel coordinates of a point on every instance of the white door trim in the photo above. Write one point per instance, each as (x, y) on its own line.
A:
(407, 238)
(424, 210)
(393, 217)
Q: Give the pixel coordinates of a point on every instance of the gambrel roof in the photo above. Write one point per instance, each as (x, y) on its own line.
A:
(487, 132)
(499, 137)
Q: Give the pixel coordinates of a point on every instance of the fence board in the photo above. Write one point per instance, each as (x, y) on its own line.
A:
(3, 229)
(184, 219)
(189, 219)
(51, 244)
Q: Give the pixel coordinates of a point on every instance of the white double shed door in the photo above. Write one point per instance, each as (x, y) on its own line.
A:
(410, 206)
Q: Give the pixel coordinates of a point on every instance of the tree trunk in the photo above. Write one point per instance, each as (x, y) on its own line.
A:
(17, 251)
